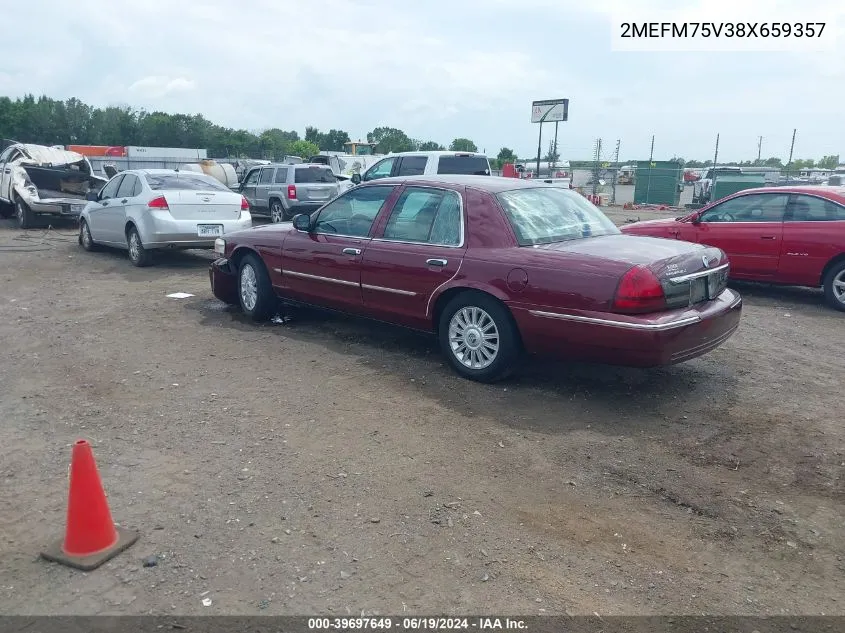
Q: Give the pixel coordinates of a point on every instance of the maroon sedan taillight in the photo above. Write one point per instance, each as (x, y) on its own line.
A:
(639, 292)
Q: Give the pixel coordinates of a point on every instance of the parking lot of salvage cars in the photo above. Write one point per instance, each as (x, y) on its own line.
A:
(334, 466)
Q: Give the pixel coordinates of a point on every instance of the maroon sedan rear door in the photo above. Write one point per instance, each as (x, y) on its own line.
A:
(813, 233)
(323, 267)
(419, 248)
(749, 228)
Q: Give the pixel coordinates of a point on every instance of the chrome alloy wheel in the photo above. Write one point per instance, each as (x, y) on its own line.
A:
(473, 337)
(277, 213)
(249, 287)
(839, 287)
(134, 246)
(85, 235)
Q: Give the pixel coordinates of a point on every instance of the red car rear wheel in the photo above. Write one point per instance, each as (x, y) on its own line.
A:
(478, 336)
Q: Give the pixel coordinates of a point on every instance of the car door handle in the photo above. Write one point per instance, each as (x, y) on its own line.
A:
(768, 237)
(124, 201)
(351, 251)
(105, 203)
(437, 262)
(7, 171)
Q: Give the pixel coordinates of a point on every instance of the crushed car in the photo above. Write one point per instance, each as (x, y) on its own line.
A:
(36, 180)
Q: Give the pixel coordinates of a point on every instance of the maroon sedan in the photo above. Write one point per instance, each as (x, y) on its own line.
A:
(494, 267)
(781, 235)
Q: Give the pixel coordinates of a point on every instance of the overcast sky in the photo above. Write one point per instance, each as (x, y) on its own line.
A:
(437, 69)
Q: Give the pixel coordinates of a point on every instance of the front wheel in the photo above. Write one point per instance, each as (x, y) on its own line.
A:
(254, 289)
(834, 286)
(85, 239)
(479, 338)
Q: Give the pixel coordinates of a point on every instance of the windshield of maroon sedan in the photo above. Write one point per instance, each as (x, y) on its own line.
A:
(549, 214)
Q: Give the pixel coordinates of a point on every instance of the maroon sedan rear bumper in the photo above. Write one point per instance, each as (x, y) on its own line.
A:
(224, 281)
(636, 341)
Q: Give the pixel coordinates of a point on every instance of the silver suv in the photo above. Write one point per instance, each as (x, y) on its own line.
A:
(283, 191)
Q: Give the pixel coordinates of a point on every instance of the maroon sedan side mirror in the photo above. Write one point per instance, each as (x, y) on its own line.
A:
(302, 222)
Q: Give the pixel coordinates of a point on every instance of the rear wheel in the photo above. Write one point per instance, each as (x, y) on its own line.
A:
(478, 337)
(26, 218)
(834, 286)
(85, 239)
(277, 211)
(138, 255)
(254, 289)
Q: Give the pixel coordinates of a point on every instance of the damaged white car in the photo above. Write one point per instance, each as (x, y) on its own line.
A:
(36, 180)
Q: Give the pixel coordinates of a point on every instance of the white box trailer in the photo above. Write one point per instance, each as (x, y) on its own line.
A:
(179, 153)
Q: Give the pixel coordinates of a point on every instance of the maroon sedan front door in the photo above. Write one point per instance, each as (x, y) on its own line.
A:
(323, 266)
(749, 228)
(419, 248)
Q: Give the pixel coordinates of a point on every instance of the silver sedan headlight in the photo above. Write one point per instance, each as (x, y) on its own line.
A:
(220, 246)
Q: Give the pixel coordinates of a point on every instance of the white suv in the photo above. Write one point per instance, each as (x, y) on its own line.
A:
(428, 163)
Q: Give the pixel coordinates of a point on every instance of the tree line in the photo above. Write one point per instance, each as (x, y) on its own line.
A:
(46, 121)
(825, 162)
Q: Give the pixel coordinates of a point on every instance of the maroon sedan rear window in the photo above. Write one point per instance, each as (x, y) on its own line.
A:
(543, 215)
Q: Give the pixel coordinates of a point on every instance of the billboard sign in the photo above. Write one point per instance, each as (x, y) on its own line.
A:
(550, 110)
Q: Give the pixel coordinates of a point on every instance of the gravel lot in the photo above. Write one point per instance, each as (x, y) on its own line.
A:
(329, 465)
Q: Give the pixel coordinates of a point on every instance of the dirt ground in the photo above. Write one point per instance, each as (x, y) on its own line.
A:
(328, 465)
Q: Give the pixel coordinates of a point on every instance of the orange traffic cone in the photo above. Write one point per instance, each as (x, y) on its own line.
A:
(91, 537)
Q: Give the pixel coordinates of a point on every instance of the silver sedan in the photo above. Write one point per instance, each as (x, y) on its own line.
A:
(144, 210)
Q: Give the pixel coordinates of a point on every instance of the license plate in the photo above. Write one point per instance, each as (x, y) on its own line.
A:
(716, 283)
(698, 290)
(209, 230)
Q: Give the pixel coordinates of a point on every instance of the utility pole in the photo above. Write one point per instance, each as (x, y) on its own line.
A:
(648, 181)
(540, 144)
(791, 148)
(759, 148)
(596, 166)
(615, 169)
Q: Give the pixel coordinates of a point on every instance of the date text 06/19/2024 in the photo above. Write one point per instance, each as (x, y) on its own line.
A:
(417, 624)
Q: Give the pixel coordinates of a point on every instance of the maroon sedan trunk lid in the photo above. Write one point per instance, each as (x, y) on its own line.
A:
(666, 258)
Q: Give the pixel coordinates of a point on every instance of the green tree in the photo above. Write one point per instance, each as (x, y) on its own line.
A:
(773, 162)
(506, 155)
(829, 162)
(430, 146)
(275, 143)
(334, 140)
(390, 139)
(303, 149)
(462, 145)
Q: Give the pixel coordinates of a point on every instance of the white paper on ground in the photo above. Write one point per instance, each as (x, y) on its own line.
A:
(179, 295)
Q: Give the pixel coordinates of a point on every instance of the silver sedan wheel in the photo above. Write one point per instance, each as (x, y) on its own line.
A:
(85, 235)
(134, 246)
(249, 287)
(839, 287)
(474, 337)
(277, 213)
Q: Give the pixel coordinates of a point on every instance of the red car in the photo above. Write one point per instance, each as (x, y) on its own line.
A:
(492, 266)
(783, 235)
